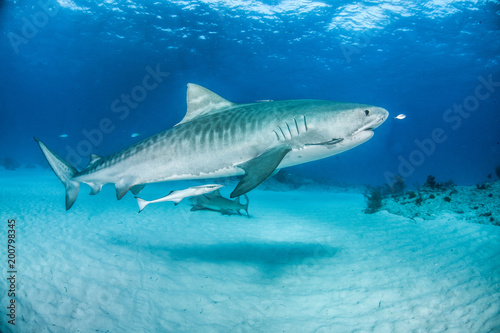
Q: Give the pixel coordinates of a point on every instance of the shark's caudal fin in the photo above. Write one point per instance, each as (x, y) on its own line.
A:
(245, 206)
(142, 203)
(64, 171)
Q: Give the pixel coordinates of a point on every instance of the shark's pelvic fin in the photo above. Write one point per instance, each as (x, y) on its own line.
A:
(64, 171)
(258, 169)
(197, 207)
(201, 101)
(122, 188)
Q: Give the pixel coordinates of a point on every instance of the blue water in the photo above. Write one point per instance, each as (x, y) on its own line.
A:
(65, 65)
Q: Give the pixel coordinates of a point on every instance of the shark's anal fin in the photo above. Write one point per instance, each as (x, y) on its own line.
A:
(137, 189)
(258, 169)
(96, 188)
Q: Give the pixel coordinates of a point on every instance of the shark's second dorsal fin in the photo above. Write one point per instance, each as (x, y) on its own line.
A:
(201, 101)
(213, 194)
(94, 158)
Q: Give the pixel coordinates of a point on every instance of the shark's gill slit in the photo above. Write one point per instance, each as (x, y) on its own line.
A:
(277, 136)
(296, 126)
(283, 133)
(291, 136)
(305, 123)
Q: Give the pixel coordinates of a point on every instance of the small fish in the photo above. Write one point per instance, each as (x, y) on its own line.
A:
(177, 196)
(400, 116)
(216, 202)
(134, 135)
(63, 135)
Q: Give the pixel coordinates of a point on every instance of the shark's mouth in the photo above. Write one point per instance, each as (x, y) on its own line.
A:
(363, 132)
(326, 143)
(362, 135)
(368, 128)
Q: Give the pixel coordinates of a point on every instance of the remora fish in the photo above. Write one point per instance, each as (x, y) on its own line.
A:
(216, 202)
(177, 196)
(218, 138)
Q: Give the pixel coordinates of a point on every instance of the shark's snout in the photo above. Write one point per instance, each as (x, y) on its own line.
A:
(379, 115)
(375, 118)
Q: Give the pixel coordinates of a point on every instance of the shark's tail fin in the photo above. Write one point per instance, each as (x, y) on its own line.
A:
(245, 206)
(64, 171)
(142, 203)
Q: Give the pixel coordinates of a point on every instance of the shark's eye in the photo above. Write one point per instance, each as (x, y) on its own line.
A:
(367, 112)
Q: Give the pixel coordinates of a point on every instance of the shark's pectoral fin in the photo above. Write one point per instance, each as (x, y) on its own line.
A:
(258, 169)
(137, 189)
(275, 172)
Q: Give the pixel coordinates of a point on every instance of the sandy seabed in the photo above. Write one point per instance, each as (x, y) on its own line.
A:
(306, 261)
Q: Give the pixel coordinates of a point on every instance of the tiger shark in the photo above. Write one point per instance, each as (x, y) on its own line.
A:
(219, 138)
(217, 203)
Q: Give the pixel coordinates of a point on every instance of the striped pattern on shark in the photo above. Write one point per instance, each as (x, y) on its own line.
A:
(218, 138)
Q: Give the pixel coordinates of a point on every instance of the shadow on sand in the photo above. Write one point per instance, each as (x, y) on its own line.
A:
(253, 253)
(266, 256)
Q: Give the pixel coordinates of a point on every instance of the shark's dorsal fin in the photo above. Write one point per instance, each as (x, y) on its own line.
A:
(201, 101)
(94, 158)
